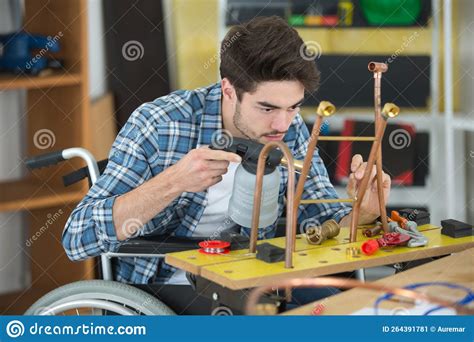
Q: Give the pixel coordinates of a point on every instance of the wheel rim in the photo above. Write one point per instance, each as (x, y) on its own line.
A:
(93, 304)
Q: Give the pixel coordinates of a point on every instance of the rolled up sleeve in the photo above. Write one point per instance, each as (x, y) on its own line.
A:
(90, 229)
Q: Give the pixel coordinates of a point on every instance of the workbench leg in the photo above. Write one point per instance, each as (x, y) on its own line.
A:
(360, 275)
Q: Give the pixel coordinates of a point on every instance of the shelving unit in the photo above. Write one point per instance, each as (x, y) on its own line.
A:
(444, 187)
(58, 79)
(58, 102)
(453, 123)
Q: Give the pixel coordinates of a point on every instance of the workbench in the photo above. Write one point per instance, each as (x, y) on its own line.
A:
(240, 270)
(457, 268)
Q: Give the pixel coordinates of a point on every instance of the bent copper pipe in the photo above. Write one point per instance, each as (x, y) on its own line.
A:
(365, 180)
(313, 140)
(378, 69)
(325, 108)
(251, 305)
(290, 214)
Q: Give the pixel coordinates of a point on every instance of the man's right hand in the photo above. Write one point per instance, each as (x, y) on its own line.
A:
(196, 171)
(201, 168)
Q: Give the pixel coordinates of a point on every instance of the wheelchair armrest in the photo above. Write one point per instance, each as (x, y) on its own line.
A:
(158, 245)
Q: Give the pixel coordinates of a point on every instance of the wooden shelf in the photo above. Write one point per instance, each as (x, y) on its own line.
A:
(57, 79)
(29, 194)
(64, 111)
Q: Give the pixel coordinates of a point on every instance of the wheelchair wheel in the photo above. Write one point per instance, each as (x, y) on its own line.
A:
(96, 297)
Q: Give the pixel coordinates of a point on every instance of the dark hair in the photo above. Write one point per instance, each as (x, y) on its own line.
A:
(266, 49)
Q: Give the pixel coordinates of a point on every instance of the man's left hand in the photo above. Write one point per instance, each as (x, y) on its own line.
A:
(369, 209)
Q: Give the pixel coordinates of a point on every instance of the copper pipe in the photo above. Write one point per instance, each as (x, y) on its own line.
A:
(329, 200)
(345, 138)
(325, 108)
(378, 69)
(366, 179)
(313, 140)
(255, 295)
(370, 232)
(290, 214)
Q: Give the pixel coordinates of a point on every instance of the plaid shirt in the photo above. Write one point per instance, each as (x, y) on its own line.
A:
(157, 135)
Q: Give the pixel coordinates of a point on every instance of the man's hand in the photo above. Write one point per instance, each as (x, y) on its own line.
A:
(201, 168)
(369, 209)
(197, 170)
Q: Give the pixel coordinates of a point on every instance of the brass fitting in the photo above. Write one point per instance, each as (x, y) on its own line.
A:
(319, 234)
(390, 110)
(325, 108)
(298, 164)
(352, 252)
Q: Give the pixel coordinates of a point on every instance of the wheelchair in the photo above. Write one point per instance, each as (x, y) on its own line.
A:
(108, 297)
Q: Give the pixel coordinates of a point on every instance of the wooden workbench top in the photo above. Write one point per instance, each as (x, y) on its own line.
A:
(239, 269)
(457, 268)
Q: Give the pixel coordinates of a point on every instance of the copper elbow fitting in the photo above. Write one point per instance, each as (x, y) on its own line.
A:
(377, 67)
(325, 108)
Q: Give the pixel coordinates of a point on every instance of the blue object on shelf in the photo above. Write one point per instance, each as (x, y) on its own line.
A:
(18, 54)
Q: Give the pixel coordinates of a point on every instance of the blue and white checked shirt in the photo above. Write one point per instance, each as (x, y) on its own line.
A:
(157, 135)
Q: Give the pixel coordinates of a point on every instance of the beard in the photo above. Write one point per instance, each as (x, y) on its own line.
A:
(241, 126)
(245, 129)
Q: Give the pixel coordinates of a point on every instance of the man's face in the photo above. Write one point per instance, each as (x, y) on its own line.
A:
(266, 114)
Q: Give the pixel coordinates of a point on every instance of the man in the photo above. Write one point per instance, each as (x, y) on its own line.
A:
(163, 179)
